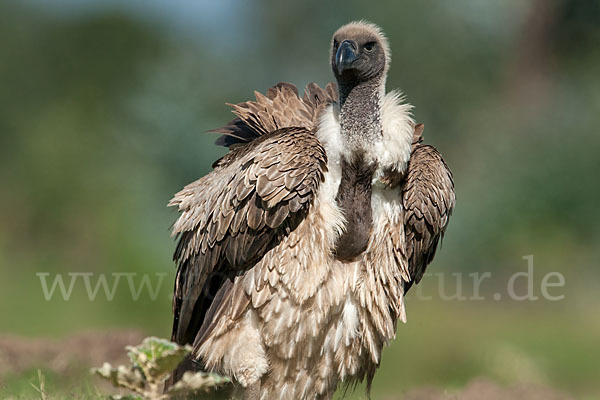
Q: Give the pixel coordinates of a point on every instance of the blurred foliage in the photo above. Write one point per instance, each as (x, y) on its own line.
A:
(102, 114)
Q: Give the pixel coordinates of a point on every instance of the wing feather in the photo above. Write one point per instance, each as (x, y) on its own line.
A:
(280, 108)
(428, 198)
(258, 193)
(220, 236)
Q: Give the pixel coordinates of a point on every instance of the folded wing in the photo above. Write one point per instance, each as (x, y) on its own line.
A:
(428, 198)
(257, 194)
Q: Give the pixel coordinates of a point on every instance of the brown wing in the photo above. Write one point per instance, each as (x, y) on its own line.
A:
(232, 216)
(258, 193)
(428, 198)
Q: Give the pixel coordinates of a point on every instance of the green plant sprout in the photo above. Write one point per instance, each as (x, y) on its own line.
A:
(151, 365)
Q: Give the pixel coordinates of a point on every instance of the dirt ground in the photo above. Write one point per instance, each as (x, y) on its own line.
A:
(88, 349)
(84, 350)
(483, 389)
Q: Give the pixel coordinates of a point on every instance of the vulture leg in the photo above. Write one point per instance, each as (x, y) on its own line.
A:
(252, 392)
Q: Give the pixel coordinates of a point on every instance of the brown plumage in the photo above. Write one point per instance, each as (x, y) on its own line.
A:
(428, 198)
(295, 253)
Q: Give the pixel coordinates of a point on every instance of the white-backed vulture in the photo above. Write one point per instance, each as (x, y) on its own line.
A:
(296, 251)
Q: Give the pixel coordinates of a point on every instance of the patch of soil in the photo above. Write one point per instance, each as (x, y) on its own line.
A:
(81, 350)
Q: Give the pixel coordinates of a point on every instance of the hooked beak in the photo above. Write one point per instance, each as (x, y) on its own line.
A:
(345, 56)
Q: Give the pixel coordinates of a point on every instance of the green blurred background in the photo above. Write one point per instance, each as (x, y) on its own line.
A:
(103, 109)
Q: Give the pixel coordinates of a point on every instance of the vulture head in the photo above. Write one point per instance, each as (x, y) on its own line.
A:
(359, 53)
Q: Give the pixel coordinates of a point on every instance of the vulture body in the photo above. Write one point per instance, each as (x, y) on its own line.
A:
(296, 251)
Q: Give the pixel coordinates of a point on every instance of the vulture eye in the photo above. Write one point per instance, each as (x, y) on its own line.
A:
(335, 44)
(369, 46)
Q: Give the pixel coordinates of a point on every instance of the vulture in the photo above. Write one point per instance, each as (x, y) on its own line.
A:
(294, 254)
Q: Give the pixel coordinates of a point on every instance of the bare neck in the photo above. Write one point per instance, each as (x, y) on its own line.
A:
(361, 127)
(360, 113)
